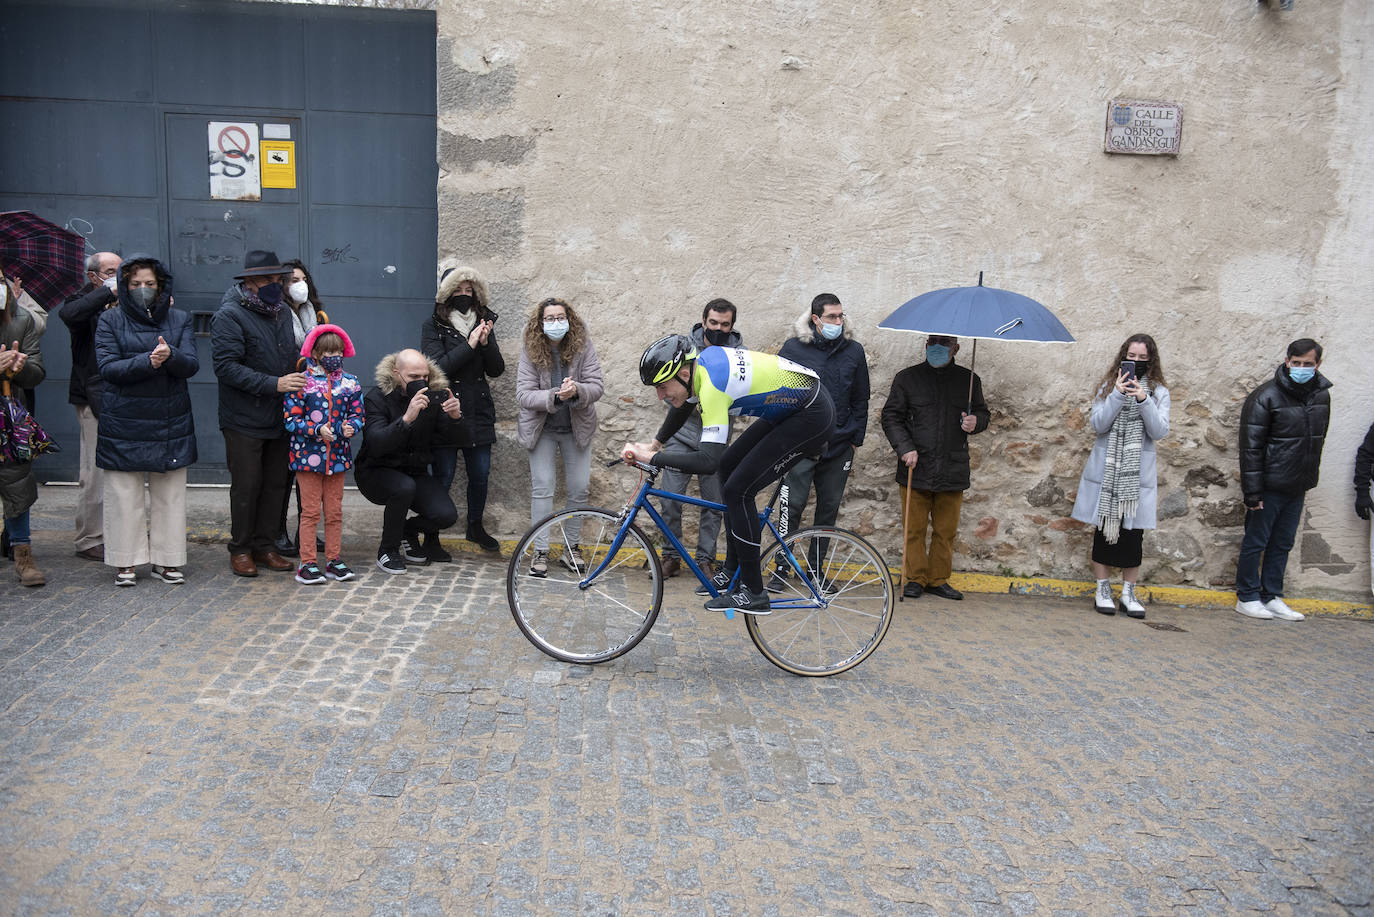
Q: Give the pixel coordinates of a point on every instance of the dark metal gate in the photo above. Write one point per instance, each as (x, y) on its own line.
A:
(107, 109)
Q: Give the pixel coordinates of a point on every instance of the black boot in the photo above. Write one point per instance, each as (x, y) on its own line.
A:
(479, 535)
(286, 546)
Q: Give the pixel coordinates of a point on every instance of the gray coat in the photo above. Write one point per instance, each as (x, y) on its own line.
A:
(534, 390)
(1154, 411)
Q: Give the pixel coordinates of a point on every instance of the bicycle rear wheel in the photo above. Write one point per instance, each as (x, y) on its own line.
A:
(592, 622)
(816, 637)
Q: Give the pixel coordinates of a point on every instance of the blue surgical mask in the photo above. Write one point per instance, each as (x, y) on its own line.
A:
(556, 330)
(332, 363)
(937, 355)
(1301, 374)
(830, 332)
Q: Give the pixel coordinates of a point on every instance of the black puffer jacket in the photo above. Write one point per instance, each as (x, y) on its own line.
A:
(80, 312)
(145, 412)
(1282, 432)
(843, 369)
(468, 370)
(251, 351)
(922, 412)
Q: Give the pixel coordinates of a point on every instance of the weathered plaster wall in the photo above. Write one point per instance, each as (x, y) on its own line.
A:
(642, 158)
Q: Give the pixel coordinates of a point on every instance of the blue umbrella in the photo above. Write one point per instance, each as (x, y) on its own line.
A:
(978, 312)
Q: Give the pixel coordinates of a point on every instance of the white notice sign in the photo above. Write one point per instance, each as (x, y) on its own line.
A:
(1144, 127)
(234, 174)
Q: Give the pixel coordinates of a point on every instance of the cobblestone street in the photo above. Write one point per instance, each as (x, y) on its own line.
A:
(393, 745)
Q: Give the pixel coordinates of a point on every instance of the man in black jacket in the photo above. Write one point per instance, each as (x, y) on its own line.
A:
(824, 342)
(255, 358)
(1364, 472)
(409, 412)
(1282, 431)
(80, 311)
(932, 409)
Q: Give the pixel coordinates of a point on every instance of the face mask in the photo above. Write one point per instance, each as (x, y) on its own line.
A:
(830, 332)
(332, 363)
(1142, 368)
(111, 284)
(937, 355)
(143, 296)
(299, 291)
(417, 386)
(556, 330)
(462, 302)
(716, 337)
(270, 294)
(1301, 374)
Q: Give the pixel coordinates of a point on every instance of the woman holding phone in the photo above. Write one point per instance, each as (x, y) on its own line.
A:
(1117, 491)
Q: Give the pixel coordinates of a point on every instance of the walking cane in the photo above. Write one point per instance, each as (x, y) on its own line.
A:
(906, 522)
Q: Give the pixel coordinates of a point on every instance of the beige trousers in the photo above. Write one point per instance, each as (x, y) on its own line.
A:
(141, 533)
(90, 495)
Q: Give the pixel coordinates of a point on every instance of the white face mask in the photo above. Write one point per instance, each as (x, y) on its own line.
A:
(556, 330)
(298, 291)
(111, 284)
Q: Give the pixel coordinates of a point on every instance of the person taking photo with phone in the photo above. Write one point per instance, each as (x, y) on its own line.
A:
(1117, 492)
(406, 414)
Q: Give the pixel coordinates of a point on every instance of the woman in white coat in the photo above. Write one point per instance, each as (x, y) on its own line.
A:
(1117, 492)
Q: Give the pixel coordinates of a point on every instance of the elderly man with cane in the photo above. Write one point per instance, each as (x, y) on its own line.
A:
(932, 409)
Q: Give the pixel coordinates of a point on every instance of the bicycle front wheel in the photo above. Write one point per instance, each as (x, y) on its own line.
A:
(586, 607)
(805, 635)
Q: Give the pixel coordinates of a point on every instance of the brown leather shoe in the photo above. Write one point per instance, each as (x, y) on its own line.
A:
(96, 552)
(672, 565)
(273, 561)
(242, 565)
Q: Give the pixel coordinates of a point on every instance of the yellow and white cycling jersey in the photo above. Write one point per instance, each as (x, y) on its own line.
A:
(732, 380)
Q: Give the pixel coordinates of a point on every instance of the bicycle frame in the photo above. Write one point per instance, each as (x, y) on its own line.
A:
(641, 502)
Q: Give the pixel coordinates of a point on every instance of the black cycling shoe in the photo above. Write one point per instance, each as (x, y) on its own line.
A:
(743, 599)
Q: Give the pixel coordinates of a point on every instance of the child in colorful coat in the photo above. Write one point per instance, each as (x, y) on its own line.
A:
(322, 418)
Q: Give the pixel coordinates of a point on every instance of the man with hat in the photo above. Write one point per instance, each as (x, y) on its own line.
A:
(255, 359)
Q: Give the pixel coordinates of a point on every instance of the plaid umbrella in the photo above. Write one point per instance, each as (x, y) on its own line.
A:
(49, 259)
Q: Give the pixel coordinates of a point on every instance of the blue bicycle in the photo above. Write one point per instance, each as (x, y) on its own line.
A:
(586, 585)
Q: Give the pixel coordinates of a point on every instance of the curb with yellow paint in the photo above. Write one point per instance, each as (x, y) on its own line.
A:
(991, 584)
(1187, 596)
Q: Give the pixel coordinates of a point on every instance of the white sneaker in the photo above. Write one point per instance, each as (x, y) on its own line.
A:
(1254, 609)
(1278, 609)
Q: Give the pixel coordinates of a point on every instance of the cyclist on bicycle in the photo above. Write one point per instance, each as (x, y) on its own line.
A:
(795, 419)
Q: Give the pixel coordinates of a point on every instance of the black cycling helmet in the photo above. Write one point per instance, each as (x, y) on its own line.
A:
(664, 357)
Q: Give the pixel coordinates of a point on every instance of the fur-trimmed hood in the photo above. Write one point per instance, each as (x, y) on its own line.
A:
(806, 332)
(387, 382)
(449, 284)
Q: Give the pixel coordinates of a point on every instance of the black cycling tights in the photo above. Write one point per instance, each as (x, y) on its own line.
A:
(763, 454)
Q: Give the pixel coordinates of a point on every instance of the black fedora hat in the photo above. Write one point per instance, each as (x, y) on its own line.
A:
(259, 262)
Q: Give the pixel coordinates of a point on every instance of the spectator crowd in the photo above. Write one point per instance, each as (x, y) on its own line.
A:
(294, 421)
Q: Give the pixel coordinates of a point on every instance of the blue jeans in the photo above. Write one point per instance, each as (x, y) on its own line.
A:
(477, 459)
(17, 528)
(1269, 532)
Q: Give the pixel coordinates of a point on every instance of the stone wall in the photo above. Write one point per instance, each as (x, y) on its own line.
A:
(642, 158)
